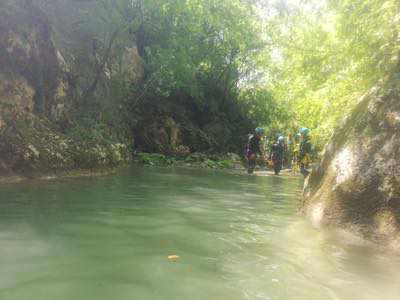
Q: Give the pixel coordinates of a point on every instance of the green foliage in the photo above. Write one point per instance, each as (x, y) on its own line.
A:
(266, 110)
(200, 160)
(328, 54)
(194, 54)
(94, 130)
(155, 159)
(200, 42)
(218, 69)
(210, 161)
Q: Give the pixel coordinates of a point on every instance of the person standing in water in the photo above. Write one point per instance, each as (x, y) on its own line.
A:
(277, 154)
(305, 151)
(253, 148)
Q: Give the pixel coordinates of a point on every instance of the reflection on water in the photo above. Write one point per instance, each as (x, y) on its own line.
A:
(238, 237)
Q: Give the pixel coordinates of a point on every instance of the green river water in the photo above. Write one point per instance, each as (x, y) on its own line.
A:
(238, 237)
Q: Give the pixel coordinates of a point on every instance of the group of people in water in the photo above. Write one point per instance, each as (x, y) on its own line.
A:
(292, 152)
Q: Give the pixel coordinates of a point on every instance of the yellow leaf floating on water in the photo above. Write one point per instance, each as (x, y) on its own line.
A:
(173, 257)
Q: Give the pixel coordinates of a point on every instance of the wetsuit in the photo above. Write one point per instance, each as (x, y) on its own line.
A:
(304, 155)
(277, 155)
(252, 149)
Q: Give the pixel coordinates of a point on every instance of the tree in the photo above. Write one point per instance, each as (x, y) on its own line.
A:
(330, 53)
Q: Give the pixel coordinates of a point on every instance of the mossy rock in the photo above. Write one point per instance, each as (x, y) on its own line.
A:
(31, 144)
(359, 176)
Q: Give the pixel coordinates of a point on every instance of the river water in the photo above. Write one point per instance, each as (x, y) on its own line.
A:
(237, 237)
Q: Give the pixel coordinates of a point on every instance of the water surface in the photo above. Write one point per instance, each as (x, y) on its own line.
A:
(238, 237)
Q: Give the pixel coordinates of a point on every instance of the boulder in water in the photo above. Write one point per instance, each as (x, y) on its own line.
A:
(357, 184)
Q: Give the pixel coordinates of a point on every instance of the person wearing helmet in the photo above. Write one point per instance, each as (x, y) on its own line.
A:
(253, 148)
(304, 151)
(304, 131)
(277, 154)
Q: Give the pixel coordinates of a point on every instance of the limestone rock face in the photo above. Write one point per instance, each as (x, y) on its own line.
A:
(15, 90)
(132, 65)
(28, 56)
(162, 135)
(16, 96)
(357, 184)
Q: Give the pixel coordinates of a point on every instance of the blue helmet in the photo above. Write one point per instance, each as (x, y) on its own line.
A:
(304, 131)
(281, 139)
(259, 130)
